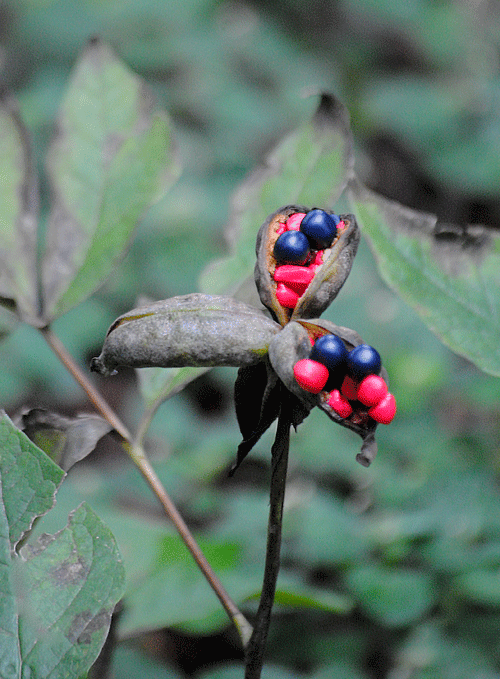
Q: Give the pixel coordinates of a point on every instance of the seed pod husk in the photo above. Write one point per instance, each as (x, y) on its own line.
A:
(328, 279)
(192, 330)
(292, 344)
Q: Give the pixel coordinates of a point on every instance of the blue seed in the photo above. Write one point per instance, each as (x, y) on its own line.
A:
(292, 247)
(363, 360)
(320, 228)
(331, 351)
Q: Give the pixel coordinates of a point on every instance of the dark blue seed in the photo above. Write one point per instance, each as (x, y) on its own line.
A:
(331, 351)
(363, 360)
(292, 247)
(320, 228)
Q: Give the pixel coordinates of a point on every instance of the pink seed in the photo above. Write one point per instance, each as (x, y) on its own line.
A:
(293, 222)
(384, 411)
(339, 404)
(372, 390)
(286, 297)
(310, 375)
(297, 278)
(289, 273)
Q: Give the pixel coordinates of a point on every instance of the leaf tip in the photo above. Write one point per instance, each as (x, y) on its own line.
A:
(94, 40)
(332, 110)
(97, 366)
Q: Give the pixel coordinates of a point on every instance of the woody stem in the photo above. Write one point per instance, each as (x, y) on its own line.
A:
(256, 648)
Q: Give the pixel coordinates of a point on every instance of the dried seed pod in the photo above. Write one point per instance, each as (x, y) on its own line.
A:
(293, 344)
(333, 267)
(192, 330)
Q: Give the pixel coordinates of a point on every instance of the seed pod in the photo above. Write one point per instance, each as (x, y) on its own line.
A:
(294, 343)
(192, 330)
(328, 278)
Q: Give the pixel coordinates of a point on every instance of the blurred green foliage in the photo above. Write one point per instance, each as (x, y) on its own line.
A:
(410, 548)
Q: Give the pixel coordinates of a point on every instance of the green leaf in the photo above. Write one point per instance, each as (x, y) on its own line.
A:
(172, 592)
(322, 515)
(307, 167)
(304, 597)
(111, 159)
(159, 384)
(395, 597)
(430, 651)
(18, 213)
(69, 584)
(29, 480)
(450, 275)
(130, 662)
(58, 593)
(480, 586)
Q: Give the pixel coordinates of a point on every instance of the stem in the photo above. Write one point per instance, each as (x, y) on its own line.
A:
(137, 454)
(255, 652)
(237, 618)
(99, 403)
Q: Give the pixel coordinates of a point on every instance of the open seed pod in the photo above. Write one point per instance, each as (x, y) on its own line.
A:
(294, 343)
(331, 266)
(192, 330)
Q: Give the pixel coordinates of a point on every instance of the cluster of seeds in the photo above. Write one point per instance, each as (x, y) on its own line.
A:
(351, 379)
(299, 250)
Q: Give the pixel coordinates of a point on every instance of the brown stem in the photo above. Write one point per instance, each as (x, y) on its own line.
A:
(256, 648)
(138, 456)
(99, 403)
(242, 625)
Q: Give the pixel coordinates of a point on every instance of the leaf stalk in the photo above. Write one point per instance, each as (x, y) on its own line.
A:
(138, 455)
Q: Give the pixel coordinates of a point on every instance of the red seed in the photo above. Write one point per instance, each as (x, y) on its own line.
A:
(293, 222)
(339, 404)
(297, 278)
(298, 288)
(384, 411)
(372, 390)
(286, 297)
(349, 389)
(310, 375)
(289, 273)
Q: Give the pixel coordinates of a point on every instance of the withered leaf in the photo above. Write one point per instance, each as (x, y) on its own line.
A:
(257, 395)
(191, 330)
(249, 389)
(66, 440)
